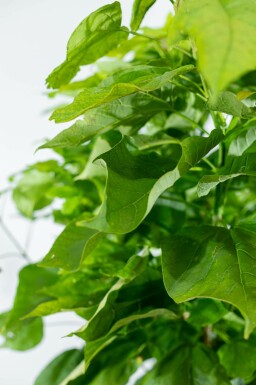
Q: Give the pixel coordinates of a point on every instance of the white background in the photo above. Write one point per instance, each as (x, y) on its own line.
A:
(33, 36)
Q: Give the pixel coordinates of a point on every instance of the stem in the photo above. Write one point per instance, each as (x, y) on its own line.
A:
(14, 241)
(10, 254)
(141, 35)
(183, 51)
(177, 4)
(208, 336)
(156, 40)
(191, 81)
(204, 86)
(159, 143)
(219, 192)
(209, 164)
(195, 124)
(185, 88)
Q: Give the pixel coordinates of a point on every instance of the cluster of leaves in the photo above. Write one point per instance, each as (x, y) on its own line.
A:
(156, 188)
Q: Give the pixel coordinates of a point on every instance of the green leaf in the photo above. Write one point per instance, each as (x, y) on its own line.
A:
(139, 9)
(228, 103)
(206, 367)
(70, 246)
(141, 78)
(103, 319)
(225, 36)
(208, 182)
(74, 291)
(234, 167)
(241, 142)
(238, 358)
(22, 335)
(165, 313)
(187, 366)
(135, 182)
(95, 36)
(132, 110)
(204, 311)
(218, 264)
(59, 368)
(116, 363)
(94, 347)
(25, 334)
(32, 280)
(30, 193)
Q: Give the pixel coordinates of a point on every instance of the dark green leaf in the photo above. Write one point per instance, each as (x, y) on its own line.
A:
(204, 311)
(60, 368)
(115, 364)
(218, 264)
(104, 316)
(187, 366)
(135, 182)
(239, 359)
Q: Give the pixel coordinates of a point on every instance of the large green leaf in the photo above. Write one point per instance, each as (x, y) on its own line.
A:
(141, 78)
(67, 250)
(95, 36)
(139, 9)
(133, 110)
(136, 181)
(224, 32)
(25, 334)
(60, 368)
(229, 103)
(22, 335)
(29, 294)
(187, 366)
(239, 359)
(218, 263)
(30, 193)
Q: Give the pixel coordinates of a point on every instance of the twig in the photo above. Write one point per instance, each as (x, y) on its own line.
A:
(9, 234)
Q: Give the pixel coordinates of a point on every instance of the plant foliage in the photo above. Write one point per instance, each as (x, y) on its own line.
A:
(158, 190)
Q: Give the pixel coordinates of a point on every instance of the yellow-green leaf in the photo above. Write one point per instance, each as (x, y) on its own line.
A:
(224, 32)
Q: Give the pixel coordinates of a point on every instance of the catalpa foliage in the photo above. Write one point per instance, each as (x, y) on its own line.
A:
(157, 179)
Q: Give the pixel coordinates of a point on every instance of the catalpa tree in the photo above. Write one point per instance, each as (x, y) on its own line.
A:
(156, 176)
